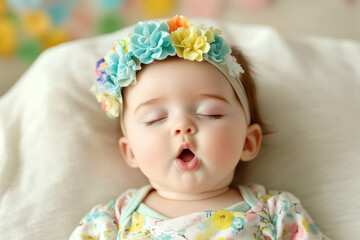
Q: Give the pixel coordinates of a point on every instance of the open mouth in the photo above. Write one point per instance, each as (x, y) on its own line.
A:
(186, 155)
(187, 160)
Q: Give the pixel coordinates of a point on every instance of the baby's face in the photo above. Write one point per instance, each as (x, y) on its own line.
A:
(177, 105)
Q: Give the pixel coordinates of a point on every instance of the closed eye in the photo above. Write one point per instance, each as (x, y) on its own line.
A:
(211, 116)
(154, 122)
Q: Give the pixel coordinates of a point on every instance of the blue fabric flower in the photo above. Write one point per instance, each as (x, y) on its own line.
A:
(122, 66)
(121, 70)
(110, 87)
(218, 49)
(151, 41)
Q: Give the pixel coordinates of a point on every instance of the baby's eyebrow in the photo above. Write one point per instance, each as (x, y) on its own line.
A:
(202, 95)
(148, 102)
(208, 95)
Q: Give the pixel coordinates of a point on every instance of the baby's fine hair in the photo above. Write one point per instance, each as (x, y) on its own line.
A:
(248, 82)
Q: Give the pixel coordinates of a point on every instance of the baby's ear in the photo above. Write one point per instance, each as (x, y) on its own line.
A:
(127, 153)
(252, 143)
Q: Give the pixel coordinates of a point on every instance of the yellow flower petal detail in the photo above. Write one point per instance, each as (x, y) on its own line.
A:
(191, 43)
(209, 35)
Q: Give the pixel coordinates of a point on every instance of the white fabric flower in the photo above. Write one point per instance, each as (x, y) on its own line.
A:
(233, 66)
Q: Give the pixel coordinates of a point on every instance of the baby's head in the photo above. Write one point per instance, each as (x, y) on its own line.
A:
(187, 118)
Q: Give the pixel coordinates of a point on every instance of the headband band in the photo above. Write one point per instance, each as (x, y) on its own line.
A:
(150, 41)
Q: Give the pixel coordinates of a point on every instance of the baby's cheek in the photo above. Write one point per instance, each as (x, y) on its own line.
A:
(226, 147)
(152, 151)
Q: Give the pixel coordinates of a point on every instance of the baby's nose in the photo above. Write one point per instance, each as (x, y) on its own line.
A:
(185, 127)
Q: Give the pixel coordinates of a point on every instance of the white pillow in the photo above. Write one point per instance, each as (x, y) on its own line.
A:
(59, 155)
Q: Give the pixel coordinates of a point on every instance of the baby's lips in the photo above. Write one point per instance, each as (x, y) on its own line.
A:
(189, 165)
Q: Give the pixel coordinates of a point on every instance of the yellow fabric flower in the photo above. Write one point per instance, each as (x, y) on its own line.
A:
(208, 32)
(223, 219)
(191, 43)
(111, 107)
(108, 103)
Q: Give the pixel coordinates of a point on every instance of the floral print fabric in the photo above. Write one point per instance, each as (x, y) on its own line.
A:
(271, 216)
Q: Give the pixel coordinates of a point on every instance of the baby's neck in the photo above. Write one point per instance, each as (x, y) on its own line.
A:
(173, 208)
(179, 196)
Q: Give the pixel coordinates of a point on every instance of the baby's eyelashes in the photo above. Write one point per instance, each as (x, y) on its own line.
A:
(154, 122)
(153, 116)
(211, 116)
(160, 120)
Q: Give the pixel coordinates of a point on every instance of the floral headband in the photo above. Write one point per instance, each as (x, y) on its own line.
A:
(153, 40)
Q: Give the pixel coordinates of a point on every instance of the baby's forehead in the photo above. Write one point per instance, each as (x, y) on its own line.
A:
(174, 66)
(177, 77)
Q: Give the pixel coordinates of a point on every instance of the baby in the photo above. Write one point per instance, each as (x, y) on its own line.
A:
(187, 110)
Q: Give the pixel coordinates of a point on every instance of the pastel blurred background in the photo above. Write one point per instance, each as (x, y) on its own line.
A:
(27, 27)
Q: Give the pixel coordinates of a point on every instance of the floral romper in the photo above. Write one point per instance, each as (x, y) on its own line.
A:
(277, 215)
